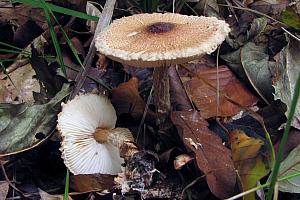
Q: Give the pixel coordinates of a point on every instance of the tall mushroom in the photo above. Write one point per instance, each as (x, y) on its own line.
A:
(90, 140)
(160, 40)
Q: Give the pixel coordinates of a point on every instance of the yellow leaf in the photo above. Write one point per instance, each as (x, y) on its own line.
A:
(250, 161)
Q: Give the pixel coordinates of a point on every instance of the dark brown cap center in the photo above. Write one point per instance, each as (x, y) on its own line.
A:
(160, 27)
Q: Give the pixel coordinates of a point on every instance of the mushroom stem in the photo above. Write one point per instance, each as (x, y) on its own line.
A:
(115, 136)
(161, 93)
(101, 135)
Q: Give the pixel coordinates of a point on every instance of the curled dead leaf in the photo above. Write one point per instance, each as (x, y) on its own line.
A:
(91, 182)
(182, 160)
(205, 97)
(126, 99)
(212, 157)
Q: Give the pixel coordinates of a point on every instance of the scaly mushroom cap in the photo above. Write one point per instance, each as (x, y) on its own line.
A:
(77, 123)
(157, 39)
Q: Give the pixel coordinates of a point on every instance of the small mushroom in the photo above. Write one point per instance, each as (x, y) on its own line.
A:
(160, 40)
(90, 141)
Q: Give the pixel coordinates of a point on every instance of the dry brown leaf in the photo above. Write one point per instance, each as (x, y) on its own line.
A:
(91, 182)
(213, 158)
(4, 186)
(19, 14)
(126, 99)
(205, 97)
(45, 196)
(178, 96)
(25, 85)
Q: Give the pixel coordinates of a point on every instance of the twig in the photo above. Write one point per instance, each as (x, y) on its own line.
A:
(104, 20)
(255, 12)
(191, 184)
(10, 183)
(16, 65)
(291, 34)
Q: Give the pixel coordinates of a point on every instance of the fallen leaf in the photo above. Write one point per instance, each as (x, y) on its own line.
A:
(126, 99)
(21, 86)
(208, 8)
(287, 71)
(144, 75)
(46, 74)
(22, 126)
(290, 18)
(4, 186)
(26, 33)
(254, 60)
(251, 64)
(178, 96)
(205, 97)
(292, 142)
(182, 160)
(91, 182)
(290, 166)
(45, 196)
(212, 157)
(257, 27)
(249, 161)
(94, 11)
(19, 14)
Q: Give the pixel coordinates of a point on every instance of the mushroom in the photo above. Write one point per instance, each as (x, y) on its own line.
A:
(90, 141)
(160, 40)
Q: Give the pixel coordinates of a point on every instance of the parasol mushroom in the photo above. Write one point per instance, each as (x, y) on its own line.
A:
(160, 40)
(90, 140)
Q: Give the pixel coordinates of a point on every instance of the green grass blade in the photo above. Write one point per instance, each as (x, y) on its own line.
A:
(14, 51)
(13, 47)
(66, 195)
(284, 139)
(69, 42)
(13, 59)
(283, 178)
(35, 3)
(54, 38)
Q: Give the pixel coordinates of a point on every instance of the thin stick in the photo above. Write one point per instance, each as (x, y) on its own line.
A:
(292, 35)
(255, 12)
(104, 21)
(144, 114)
(10, 183)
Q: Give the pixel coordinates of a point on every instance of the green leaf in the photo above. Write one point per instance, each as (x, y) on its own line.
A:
(20, 124)
(286, 74)
(290, 18)
(289, 166)
(255, 64)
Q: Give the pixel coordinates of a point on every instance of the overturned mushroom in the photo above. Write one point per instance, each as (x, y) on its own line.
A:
(160, 40)
(90, 140)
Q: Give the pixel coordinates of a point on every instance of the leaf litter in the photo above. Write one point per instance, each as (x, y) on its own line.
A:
(197, 155)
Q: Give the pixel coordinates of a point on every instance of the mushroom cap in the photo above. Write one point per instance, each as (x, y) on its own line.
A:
(77, 122)
(157, 39)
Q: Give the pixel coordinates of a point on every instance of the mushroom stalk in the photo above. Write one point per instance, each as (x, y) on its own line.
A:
(115, 136)
(161, 93)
